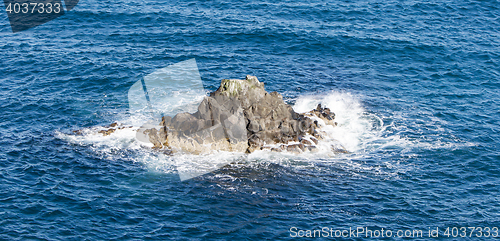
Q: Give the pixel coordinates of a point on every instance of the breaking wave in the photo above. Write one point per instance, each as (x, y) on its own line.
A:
(358, 131)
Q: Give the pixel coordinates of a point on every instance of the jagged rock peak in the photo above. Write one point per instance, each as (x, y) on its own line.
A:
(237, 87)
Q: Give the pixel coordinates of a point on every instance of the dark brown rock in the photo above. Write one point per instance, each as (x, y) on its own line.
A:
(306, 142)
(325, 114)
(107, 132)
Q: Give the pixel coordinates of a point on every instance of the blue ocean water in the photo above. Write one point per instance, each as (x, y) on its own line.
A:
(414, 84)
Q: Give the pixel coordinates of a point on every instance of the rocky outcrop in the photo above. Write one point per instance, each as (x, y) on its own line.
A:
(241, 116)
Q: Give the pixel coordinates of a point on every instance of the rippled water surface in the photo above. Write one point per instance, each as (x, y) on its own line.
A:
(414, 85)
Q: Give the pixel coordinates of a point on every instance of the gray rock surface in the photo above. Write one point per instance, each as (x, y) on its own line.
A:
(241, 116)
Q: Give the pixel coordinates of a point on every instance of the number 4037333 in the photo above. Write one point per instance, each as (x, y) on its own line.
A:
(28, 8)
(471, 232)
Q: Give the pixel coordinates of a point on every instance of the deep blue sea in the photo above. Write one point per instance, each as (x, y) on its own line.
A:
(414, 85)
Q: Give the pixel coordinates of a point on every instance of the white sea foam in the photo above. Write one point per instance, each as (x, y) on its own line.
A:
(358, 131)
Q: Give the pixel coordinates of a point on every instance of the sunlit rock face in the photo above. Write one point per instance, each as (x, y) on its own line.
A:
(240, 116)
